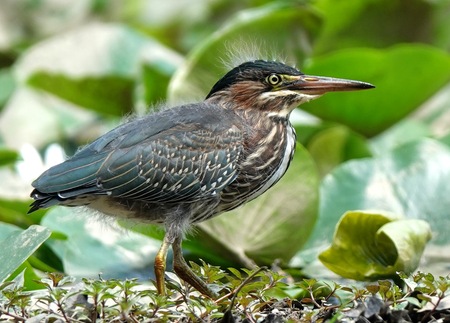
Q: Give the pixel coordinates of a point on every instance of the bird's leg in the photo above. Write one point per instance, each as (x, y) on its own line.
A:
(160, 265)
(185, 272)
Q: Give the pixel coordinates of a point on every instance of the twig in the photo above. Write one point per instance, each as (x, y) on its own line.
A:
(19, 318)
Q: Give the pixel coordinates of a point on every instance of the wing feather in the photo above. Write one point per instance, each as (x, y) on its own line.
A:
(161, 158)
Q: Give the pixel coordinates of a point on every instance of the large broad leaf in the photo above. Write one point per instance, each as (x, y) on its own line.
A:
(405, 131)
(274, 226)
(277, 31)
(13, 214)
(96, 66)
(402, 78)
(334, 145)
(411, 180)
(107, 94)
(435, 113)
(370, 245)
(351, 23)
(42, 119)
(92, 246)
(17, 246)
(103, 68)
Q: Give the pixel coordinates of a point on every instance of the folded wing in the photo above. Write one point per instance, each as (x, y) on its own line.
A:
(151, 159)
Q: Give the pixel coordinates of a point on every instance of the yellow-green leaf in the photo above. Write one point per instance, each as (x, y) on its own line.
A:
(369, 245)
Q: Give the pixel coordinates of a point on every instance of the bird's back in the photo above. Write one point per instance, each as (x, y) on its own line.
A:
(179, 155)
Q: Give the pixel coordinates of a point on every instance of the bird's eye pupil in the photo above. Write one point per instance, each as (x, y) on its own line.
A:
(273, 79)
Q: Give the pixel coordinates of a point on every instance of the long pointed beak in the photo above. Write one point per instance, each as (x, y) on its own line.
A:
(317, 85)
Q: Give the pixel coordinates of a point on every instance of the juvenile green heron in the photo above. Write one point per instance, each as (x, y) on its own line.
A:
(186, 164)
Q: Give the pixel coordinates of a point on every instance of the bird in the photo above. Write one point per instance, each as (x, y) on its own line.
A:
(183, 165)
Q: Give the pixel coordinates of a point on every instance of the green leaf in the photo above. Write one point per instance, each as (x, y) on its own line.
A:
(57, 119)
(7, 156)
(306, 132)
(370, 245)
(7, 85)
(15, 212)
(248, 35)
(434, 113)
(335, 145)
(409, 238)
(156, 81)
(258, 231)
(91, 246)
(411, 180)
(401, 133)
(28, 276)
(17, 246)
(445, 140)
(99, 67)
(150, 230)
(351, 23)
(400, 89)
(106, 95)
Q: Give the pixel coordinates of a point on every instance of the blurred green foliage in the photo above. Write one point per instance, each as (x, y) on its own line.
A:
(70, 73)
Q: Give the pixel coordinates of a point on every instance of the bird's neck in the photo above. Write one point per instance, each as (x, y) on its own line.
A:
(264, 126)
(261, 115)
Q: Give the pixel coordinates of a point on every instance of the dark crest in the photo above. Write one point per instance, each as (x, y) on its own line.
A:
(253, 70)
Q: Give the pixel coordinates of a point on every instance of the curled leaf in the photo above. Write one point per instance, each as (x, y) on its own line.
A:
(369, 245)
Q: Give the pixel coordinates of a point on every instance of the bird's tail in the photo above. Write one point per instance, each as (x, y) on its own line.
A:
(43, 200)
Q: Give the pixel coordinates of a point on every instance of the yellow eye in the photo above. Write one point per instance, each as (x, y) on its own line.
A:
(273, 79)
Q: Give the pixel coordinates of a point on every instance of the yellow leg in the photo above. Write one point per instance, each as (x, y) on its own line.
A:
(160, 266)
(185, 273)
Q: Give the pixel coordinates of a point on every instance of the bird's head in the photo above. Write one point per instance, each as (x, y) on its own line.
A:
(274, 87)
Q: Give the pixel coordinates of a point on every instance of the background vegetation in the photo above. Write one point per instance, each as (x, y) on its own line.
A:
(71, 70)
